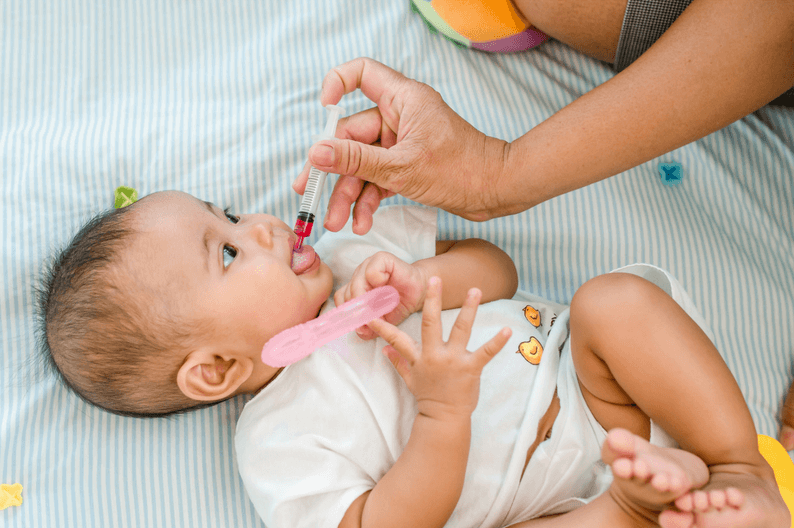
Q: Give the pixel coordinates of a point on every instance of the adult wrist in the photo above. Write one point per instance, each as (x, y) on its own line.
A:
(507, 180)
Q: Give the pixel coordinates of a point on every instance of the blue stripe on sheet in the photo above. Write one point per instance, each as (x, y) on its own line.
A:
(220, 100)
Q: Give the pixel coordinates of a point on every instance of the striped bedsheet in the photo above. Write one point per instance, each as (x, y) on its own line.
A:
(220, 99)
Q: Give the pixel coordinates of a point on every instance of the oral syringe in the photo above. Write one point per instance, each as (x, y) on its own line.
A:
(314, 187)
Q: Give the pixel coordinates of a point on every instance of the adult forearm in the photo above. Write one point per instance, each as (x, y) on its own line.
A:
(422, 488)
(721, 60)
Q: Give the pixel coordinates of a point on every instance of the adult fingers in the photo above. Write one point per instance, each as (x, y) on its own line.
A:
(376, 80)
(349, 190)
(346, 191)
(368, 202)
(368, 162)
(365, 126)
(388, 89)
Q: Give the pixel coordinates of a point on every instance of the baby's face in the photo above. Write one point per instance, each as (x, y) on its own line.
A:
(231, 270)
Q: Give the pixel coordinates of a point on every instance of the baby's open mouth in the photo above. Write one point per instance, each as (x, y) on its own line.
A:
(303, 260)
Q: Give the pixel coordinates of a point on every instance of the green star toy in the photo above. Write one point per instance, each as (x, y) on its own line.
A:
(125, 196)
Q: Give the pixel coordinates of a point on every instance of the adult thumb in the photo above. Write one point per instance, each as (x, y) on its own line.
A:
(352, 158)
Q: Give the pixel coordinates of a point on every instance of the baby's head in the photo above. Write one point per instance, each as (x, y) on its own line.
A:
(164, 305)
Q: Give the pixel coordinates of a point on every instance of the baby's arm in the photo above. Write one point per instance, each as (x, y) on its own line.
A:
(424, 484)
(471, 263)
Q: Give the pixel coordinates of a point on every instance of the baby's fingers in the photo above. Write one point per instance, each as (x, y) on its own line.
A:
(355, 288)
(399, 362)
(461, 330)
(342, 295)
(431, 315)
(485, 353)
(398, 339)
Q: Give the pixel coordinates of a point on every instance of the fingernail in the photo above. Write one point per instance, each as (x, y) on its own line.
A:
(323, 155)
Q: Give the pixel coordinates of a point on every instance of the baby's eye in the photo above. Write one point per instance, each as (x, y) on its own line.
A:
(229, 253)
(232, 218)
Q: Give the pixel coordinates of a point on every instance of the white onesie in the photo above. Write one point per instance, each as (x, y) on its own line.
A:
(331, 425)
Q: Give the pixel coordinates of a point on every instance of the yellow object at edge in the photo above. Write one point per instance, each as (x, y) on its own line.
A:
(777, 457)
(10, 495)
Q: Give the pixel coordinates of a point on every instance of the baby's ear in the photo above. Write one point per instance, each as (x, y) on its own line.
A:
(207, 376)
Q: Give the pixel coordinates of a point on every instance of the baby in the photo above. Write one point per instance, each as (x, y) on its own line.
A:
(164, 306)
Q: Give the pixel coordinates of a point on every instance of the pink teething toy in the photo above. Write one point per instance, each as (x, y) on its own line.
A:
(294, 344)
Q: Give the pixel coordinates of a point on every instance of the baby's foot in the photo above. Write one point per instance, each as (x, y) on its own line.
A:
(647, 478)
(730, 500)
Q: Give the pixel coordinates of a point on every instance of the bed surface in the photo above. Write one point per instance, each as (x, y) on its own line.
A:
(220, 100)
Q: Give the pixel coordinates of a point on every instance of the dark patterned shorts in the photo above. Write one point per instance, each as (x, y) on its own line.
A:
(643, 24)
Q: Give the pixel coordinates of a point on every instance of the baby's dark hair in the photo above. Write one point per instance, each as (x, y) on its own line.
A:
(100, 339)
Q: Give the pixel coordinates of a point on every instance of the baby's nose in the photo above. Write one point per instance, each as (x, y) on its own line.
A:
(262, 233)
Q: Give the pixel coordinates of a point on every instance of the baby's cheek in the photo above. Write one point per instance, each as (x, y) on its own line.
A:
(328, 279)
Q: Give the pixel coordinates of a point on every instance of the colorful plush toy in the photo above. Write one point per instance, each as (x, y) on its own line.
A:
(487, 25)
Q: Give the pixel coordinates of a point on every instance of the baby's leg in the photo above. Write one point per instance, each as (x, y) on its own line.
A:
(639, 356)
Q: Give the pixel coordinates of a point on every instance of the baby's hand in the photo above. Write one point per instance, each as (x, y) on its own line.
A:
(444, 377)
(381, 269)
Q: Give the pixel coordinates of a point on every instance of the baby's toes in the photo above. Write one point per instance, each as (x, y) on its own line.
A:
(631, 469)
(623, 468)
(686, 502)
(718, 499)
(676, 519)
(619, 443)
(662, 475)
(642, 470)
(668, 481)
(734, 497)
(702, 501)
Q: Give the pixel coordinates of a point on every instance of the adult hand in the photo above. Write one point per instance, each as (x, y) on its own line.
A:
(411, 143)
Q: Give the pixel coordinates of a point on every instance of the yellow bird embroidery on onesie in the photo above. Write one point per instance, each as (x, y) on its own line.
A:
(531, 350)
(532, 315)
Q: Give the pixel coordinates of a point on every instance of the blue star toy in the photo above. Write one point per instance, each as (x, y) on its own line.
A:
(671, 173)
